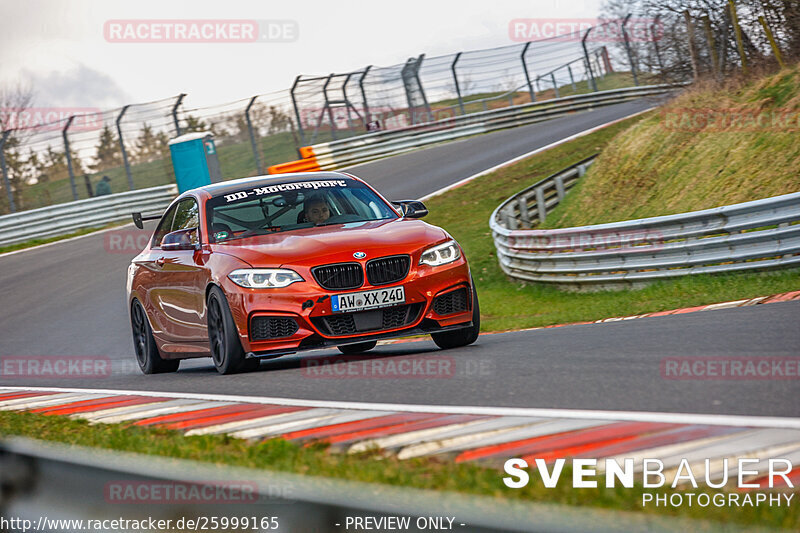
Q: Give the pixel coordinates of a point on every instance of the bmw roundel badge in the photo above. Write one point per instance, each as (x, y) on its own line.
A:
(359, 255)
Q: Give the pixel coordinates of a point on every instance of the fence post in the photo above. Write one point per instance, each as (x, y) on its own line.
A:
(69, 158)
(6, 182)
(628, 49)
(690, 40)
(367, 117)
(413, 86)
(175, 114)
(775, 49)
(455, 80)
(525, 70)
(252, 133)
(737, 31)
(572, 79)
(122, 148)
(297, 110)
(555, 87)
(421, 88)
(601, 72)
(588, 63)
(328, 106)
(347, 101)
(712, 46)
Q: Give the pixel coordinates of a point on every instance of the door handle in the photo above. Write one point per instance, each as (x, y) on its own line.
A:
(160, 261)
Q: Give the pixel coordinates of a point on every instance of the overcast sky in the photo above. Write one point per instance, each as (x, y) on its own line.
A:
(59, 47)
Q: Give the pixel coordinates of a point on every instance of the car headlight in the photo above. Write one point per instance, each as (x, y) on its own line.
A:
(264, 278)
(440, 254)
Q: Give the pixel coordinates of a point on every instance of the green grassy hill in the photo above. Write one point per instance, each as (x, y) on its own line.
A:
(711, 146)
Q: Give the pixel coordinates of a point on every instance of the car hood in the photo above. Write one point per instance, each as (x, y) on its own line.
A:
(334, 244)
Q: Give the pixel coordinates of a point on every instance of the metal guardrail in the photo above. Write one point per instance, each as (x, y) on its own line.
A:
(62, 219)
(52, 481)
(761, 234)
(356, 150)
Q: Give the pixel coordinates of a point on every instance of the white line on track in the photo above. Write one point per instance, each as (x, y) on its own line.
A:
(583, 414)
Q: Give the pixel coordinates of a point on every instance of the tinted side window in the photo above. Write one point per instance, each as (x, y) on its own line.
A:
(187, 215)
(164, 226)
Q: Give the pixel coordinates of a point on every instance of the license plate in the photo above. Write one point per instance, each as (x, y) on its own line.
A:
(356, 301)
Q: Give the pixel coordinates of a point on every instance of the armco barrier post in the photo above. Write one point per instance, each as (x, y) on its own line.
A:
(593, 83)
(525, 70)
(69, 158)
(175, 114)
(297, 110)
(122, 148)
(6, 182)
(628, 49)
(252, 133)
(455, 81)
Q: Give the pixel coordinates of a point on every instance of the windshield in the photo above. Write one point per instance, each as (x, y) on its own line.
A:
(291, 206)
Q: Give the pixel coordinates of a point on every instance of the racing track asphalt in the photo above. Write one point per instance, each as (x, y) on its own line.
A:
(68, 299)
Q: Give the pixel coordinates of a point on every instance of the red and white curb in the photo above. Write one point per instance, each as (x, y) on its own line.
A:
(489, 435)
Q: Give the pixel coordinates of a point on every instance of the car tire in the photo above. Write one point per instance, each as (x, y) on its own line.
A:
(223, 337)
(144, 344)
(465, 336)
(359, 347)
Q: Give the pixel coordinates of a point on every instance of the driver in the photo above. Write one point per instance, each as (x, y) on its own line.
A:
(316, 209)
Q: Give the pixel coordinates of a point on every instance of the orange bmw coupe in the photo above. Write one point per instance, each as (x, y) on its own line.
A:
(267, 266)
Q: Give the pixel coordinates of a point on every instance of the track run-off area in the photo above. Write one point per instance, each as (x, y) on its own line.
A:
(68, 299)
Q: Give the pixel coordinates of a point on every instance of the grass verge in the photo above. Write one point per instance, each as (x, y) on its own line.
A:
(713, 145)
(436, 474)
(465, 211)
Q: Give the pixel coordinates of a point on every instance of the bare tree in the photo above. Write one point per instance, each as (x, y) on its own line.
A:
(15, 101)
(671, 47)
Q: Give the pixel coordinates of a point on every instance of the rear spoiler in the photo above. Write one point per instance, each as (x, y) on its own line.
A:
(138, 218)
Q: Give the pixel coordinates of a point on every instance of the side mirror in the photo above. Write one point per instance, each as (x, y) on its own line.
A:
(183, 239)
(412, 208)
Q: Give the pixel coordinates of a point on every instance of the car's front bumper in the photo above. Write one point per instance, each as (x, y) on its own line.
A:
(309, 305)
